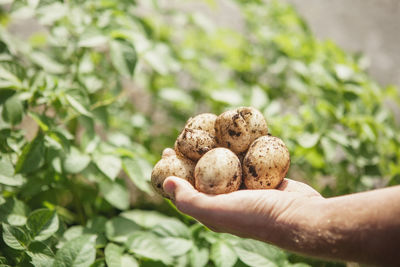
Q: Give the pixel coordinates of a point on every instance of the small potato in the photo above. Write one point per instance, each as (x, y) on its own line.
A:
(204, 121)
(255, 122)
(193, 144)
(171, 166)
(237, 129)
(266, 163)
(231, 131)
(218, 172)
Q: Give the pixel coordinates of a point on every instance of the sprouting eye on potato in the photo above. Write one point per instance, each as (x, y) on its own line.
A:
(218, 154)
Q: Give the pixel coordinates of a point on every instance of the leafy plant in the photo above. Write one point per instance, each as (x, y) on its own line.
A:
(90, 98)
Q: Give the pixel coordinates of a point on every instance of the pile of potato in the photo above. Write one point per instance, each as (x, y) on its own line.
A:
(218, 154)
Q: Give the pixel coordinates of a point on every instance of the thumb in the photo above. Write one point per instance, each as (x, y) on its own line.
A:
(183, 194)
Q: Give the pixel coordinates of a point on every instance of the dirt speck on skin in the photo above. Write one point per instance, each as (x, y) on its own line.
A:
(234, 118)
(253, 171)
(233, 133)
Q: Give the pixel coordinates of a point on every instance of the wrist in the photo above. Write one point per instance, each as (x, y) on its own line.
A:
(307, 226)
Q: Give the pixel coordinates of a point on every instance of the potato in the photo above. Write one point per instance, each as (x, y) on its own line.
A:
(194, 143)
(237, 129)
(266, 163)
(255, 122)
(172, 165)
(204, 121)
(219, 171)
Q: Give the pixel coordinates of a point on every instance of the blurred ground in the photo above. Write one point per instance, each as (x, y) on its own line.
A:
(369, 26)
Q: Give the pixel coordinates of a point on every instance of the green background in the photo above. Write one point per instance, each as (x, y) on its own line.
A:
(89, 101)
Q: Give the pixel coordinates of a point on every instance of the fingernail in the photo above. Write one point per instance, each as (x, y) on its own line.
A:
(169, 188)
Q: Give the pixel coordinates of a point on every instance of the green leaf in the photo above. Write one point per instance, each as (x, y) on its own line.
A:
(32, 156)
(92, 40)
(14, 212)
(223, 255)
(42, 224)
(145, 218)
(228, 96)
(176, 95)
(139, 172)
(172, 227)
(7, 176)
(128, 261)
(123, 56)
(73, 232)
(75, 104)
(198, 256)
(176, 246)
(78, 230)
(308, 140)
(147, 245)
(110, 165)
(113, 254)
(78, 252)
(75, 161)
(115, 192)
(258, 97)
(15, 237)
(41, 120)
(98, 263)
(13, 110)
(41, 255)
(118, 229)
(10, 75)
(115, 257)
(255, 253)
(47, 63)
(97, 224)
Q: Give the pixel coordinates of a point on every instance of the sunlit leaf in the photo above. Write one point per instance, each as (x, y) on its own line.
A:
(78, 106)
(7, 176)
(110, 165)
(223, 255)
(139, 172)
(13, 110)
(42, 224)
(115, 192)
(75, 161)
(123, 56)
(15, 237)
(147, 245)
(32, 157)
(78, 252)
(41, 255)
(118, 229)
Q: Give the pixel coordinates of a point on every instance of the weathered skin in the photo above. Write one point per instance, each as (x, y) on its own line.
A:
(218, 171)
(172, 165)
(204, 121)
(193, 144)
(237, 129)
(266, 163)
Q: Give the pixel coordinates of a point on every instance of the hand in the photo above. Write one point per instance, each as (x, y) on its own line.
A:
(362, 227)
(258, 214)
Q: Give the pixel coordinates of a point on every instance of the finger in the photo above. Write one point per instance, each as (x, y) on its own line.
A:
(289, 185)
(186, 198)
(168, 152)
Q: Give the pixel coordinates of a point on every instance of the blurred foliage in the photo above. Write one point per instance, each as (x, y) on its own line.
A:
(92, 96)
